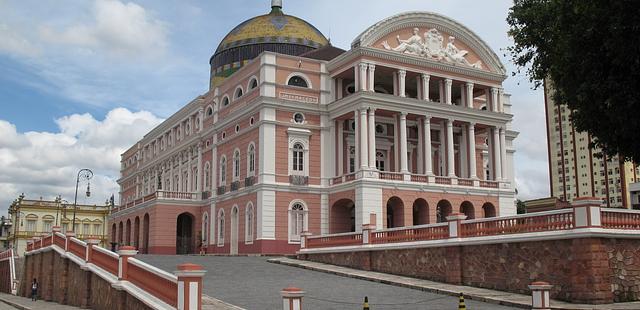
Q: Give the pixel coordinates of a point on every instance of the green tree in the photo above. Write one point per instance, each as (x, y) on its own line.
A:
(590, 52)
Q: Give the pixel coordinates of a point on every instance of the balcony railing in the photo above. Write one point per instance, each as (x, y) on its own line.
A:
(235, 185)
(249, 181)
(396, 176)
(221, 189)
(298, 180)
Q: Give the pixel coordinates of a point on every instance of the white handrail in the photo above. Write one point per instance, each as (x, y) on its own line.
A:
(414, 227)
(616, 210)
(105, 251)
(335, 235)
(78, 241)
(155, 270)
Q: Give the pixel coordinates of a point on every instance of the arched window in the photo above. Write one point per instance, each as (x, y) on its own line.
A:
(352, 159)
(225, 101)
(207, 175)
(195, 179)
(251, 160)
(253, 83)
(298, 157)
(298, 81)
(238, 93)
(209, 111)
(249, 223)
(297, 221)
(223, 171)
(221, 227)
(236, 165)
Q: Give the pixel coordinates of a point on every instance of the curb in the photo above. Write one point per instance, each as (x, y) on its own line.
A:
(13, 304)
(415, 287)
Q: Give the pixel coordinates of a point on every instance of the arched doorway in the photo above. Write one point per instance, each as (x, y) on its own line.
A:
(113, 233)
(127, 236)
(489, 210)
(120, 233)
(343, 216)
(233, 247)
(420, 212)
(145, 234)
(184, 234)
(395, 212)
(468, 210)
(443, 209)
(136, 232)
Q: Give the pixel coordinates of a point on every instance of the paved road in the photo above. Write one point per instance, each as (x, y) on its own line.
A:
(253, 283)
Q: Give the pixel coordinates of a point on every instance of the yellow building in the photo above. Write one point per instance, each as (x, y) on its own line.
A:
(33, 218)
(575, 170)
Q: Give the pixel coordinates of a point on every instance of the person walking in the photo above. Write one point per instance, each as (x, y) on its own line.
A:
(34, 290)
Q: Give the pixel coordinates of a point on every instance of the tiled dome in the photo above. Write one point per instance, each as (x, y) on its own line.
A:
(276, 32)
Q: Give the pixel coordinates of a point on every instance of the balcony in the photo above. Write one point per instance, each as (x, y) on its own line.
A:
(235, 186)
(221, 190)
(416, 178)
(249, 181)
(298, 180)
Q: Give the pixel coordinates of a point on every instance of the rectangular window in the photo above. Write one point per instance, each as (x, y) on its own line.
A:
(47, 226)
(86, 229)
(97, 229)
(31, 225)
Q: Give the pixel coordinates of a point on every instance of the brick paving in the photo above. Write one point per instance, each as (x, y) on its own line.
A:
(254, 283)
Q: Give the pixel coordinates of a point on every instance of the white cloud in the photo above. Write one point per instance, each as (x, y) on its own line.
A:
(45, 163)
(120, 29)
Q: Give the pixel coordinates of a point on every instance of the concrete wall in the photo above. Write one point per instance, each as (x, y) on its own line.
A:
(63, 281)
(583, 270)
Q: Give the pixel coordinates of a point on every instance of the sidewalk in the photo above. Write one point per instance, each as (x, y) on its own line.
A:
(474, 293)
(26, 303)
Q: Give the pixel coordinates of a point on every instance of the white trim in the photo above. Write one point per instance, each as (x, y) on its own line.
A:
(251, 173)
(249, 209)
(221, 221)
(193, 295)
(305, 220)
(253, 77)
(526, 215)
(155, 270)
(180, 295)
(235, 93)
(235, 170)
(105, 251)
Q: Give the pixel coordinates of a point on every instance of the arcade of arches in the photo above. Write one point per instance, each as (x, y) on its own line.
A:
(399, 214)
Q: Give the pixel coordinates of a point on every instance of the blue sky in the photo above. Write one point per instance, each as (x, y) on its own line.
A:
(81, 80)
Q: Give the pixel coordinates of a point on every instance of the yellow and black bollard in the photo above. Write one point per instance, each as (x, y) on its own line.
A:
(365, 306)
(461, 305)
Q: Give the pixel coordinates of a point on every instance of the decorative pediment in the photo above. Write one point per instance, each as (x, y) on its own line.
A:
(431, 36)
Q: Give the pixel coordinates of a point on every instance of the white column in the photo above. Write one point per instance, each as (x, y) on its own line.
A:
(372, 70)
(356, 78)
(441, 91)
(356, 119)
(462, 153)
(189, 172)
(425, 87)
(450, 151)
(340, 145)
(396, 143)
(427, 146)
(395, 83)
(363, 76)
(420, 149)
(403, 143)
(372, 138)
(402, 74)
(496, 154)
(494, 99)
(503, 154)
(472, 151)
(447, 90)
(500, 100)
(200, 172)
(364, 158)
(469, 93)
(170, 188)
(200, 119)
(339, 89)
(418, 88)
(180, 189)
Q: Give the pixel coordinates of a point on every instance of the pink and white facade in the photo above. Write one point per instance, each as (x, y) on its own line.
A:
(410, 124)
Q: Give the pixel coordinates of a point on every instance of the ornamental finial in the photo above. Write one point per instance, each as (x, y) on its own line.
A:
(276, 3)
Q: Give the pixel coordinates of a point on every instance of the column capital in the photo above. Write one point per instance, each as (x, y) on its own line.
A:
(448, 81)
(372, 66)
(425, 76)
(363, 111)
(372, 110)
(363, 65)
(472, 125)
(494, 90)
(402, 73)
(403, 114)
(469, 84)
(427, 118)
(449, 121)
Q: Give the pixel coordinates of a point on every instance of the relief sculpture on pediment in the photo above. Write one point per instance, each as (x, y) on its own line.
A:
(432, 47)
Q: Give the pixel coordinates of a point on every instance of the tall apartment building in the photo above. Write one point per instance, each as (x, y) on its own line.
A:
(576, 170)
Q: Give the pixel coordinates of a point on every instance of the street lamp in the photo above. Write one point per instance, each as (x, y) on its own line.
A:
(61, 204)
(84, 175)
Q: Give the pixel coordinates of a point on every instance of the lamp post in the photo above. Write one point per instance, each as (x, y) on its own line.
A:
(61, 204)
(83, 174)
